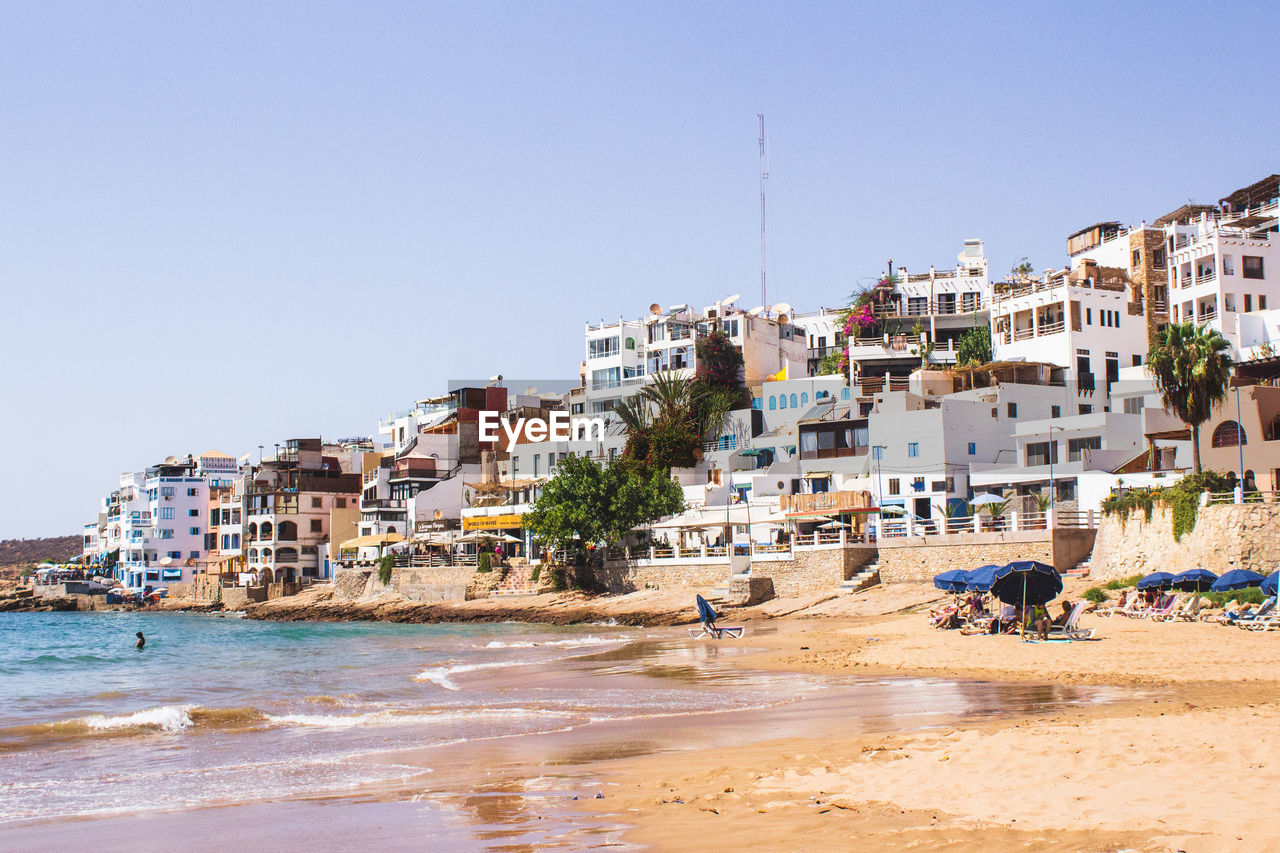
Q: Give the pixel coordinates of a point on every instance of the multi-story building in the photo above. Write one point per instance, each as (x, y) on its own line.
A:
(922, 316)
(291, 500)
(620, 355)
(1080, 319)
(1224, 264)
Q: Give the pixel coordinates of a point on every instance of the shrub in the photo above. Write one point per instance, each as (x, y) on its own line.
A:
(1123, 583)
(537, 573)
(484, 563)
(1095, 594)
(558, 582)
(1182, 498)
(1252, 595)
(385, 565)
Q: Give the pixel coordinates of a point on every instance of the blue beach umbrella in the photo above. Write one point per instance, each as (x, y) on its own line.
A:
(981, 578)
(705, 611)
(1026, 582)
(953, 581)
(1195, 580)
(1269, 585)
(1156, 580)
(1236, 579)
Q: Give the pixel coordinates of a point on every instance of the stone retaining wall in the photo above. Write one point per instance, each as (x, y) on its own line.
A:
(807, 571)
(1226, 537)
(918, 559)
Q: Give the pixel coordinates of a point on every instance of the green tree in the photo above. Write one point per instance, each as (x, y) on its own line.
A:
(719, 362)
(974, 346)
(1021, 271)
(587, 502)
(1192, 370)
(669, 418)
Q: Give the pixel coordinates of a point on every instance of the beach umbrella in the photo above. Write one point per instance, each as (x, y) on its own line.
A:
(1195, 580)
(985, 499)
(893, 509)
(1269, 585)
(955, 580)
(981, 578)
(833, 525)
(1237, 579)
(1026, 582)
(1156, 580)
(705, 612)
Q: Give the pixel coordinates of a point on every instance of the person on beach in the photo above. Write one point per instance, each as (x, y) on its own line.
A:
(142, 641)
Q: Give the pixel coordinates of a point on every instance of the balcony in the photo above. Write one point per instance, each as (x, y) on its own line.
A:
(1053, 328)
(1024, 334)
(1206, 277)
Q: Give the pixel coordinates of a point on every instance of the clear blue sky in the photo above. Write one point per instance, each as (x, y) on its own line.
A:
(227, 224)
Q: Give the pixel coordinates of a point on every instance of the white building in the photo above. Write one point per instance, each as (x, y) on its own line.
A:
(923, 316)
(620, 355)
(1224, 270)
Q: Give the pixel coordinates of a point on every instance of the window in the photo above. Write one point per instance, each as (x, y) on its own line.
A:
(917, 484)
(804, 398)
(193, 513)
(893, 486)
(1038, 453)
(1088, 316)
(730, 328)
(1251, 266)
(340, 503)
(913, 449)
(1076, 447)
(844, 392)
(782, 401)
(1133, 405)
(316, 526)
(1013, 410)
(166, 491)
(794, 404)
(1086, 410)
(877, 452)
(1262, 302)
(773, 402)
(194, 531)
(166, 533)
(316, 503)
(1137, 361)
(602, 347)
(191, 493)
(630, 343)
(537, 464)
(1229, 434)
(166, 512)
(1137, 258)
(1157, 257)
(1055, 411)
(973, 448)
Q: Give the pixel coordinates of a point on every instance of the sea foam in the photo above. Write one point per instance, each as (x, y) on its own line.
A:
(168, 718)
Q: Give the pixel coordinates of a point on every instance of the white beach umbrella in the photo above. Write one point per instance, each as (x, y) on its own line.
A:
(986, 499)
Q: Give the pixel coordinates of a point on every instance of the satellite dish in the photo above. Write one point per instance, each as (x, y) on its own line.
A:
(676, 309)
(729, 300)
(171, 460)
(756, 312)
(782, 308)
(655, 308)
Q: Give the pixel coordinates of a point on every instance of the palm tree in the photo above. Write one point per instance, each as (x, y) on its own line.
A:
(1192, 370)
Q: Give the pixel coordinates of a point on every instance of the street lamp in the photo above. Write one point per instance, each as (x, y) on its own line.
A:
(1053, 492)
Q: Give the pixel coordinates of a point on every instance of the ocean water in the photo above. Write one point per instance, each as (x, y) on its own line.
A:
(223, 710)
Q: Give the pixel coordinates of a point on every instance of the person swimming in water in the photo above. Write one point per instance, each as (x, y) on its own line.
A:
(142, 641)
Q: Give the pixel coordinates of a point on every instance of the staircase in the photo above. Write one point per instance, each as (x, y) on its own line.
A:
(868, 575)
(1080, 571)
(518, 581)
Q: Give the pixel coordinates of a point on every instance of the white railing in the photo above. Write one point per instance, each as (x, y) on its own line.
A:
(1023, 334)
(1053, 328)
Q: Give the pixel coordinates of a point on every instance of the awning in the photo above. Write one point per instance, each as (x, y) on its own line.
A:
(371, 541)
(816, 475)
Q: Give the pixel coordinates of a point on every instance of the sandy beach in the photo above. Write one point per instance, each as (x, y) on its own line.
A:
(1186, 762)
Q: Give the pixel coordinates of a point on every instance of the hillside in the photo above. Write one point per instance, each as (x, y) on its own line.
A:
(22, 552)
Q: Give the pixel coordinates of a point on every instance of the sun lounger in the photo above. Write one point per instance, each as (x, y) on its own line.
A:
(1191, 612)
(1132, 607)
(1072, 630)
(717, 632)
(1232, 617)
(1169, 611)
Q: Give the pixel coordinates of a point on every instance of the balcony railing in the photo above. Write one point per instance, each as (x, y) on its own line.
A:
(1023, 334)
(1053, 328)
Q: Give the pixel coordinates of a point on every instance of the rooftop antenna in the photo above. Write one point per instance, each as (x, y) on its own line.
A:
(764, 176)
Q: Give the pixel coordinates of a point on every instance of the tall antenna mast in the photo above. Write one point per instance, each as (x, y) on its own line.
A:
(764, 176)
